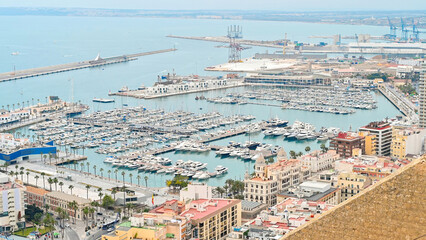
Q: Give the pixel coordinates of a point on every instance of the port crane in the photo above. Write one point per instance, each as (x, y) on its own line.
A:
(404, 31)
(392, 30)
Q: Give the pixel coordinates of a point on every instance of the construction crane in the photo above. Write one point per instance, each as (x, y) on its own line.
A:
(392, 30)
(404, 31)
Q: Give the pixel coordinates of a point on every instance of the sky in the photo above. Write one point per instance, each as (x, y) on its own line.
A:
(280, 5)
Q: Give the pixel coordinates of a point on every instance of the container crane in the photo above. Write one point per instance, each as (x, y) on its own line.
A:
(404, 31)
(392, 30)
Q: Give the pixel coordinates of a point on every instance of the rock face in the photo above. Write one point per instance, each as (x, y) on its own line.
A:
(394, 208)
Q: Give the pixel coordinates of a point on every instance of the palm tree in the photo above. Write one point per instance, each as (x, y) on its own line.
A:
(50, 158)
(44, 157)
(87, 188)
(113, 192)
(82, 166)
(100, 194)
(75, 165)
(146, 181)
(94, 169)
(36, 178)
(116, 177)
(71, 187)
(28, 174)
(92, 211)
(44, 182)
(50, 181)
(131, 178)
(139, 179)
(86, 214)
(60, 185)
(88, 167)
(102, 172)
(220, 191)
(307, 149)
(109, 174)
(73, 206)
(123, 173)
(55, 180)
(22, 175)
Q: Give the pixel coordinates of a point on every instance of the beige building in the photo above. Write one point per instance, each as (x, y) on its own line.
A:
(351, 184)
(407, 141)
(59, 199)
(214, 218)
(268, 180)
(12, 204)
(318, 161)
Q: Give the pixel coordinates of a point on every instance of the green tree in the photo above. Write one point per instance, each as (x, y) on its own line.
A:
(87, 190)
(107, 202)
(50, 181)
(323, 148)
(307, 149)
(293, 154)
(36, 178)
(49, 222)
(70, 188)
(55, 181)
(86, 211)
(44, 182)
(61, 184)
(146, 181)
(28, 174)
(220, 191)
(73, 206)
(113, 192)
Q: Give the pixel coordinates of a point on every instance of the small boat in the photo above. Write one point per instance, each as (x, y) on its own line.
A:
(103, 100)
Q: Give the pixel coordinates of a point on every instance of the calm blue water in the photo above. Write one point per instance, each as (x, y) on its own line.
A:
(45, 41)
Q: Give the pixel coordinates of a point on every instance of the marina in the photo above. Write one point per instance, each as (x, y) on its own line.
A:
(134, 74)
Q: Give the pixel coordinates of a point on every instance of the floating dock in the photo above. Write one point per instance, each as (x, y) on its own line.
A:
(98, 61)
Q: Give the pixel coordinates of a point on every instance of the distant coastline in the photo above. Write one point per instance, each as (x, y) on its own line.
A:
(371, 18)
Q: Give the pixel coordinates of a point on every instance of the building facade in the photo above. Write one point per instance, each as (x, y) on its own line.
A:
(351, 184)
(407, 141)
(56, 199)
(345, 143)
(12, 203)
(383, 132)
(268, 180)
(35, 196)
(214, 218)
(318, 161)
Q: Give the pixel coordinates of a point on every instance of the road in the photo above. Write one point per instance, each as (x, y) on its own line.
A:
(70, 234)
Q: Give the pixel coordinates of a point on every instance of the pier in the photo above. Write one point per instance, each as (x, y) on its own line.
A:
(399, 101)
(98, 61)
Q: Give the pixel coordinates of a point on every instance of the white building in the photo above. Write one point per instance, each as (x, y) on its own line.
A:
(186, 86)
(195, 191)
(12, 204)
(318, 161)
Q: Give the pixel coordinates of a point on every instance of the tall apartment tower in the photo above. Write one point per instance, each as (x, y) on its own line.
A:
(422, 96)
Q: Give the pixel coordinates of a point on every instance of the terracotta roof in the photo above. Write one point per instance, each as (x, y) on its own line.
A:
(35, 190)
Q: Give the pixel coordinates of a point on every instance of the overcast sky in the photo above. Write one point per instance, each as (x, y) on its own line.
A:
(281, 5)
